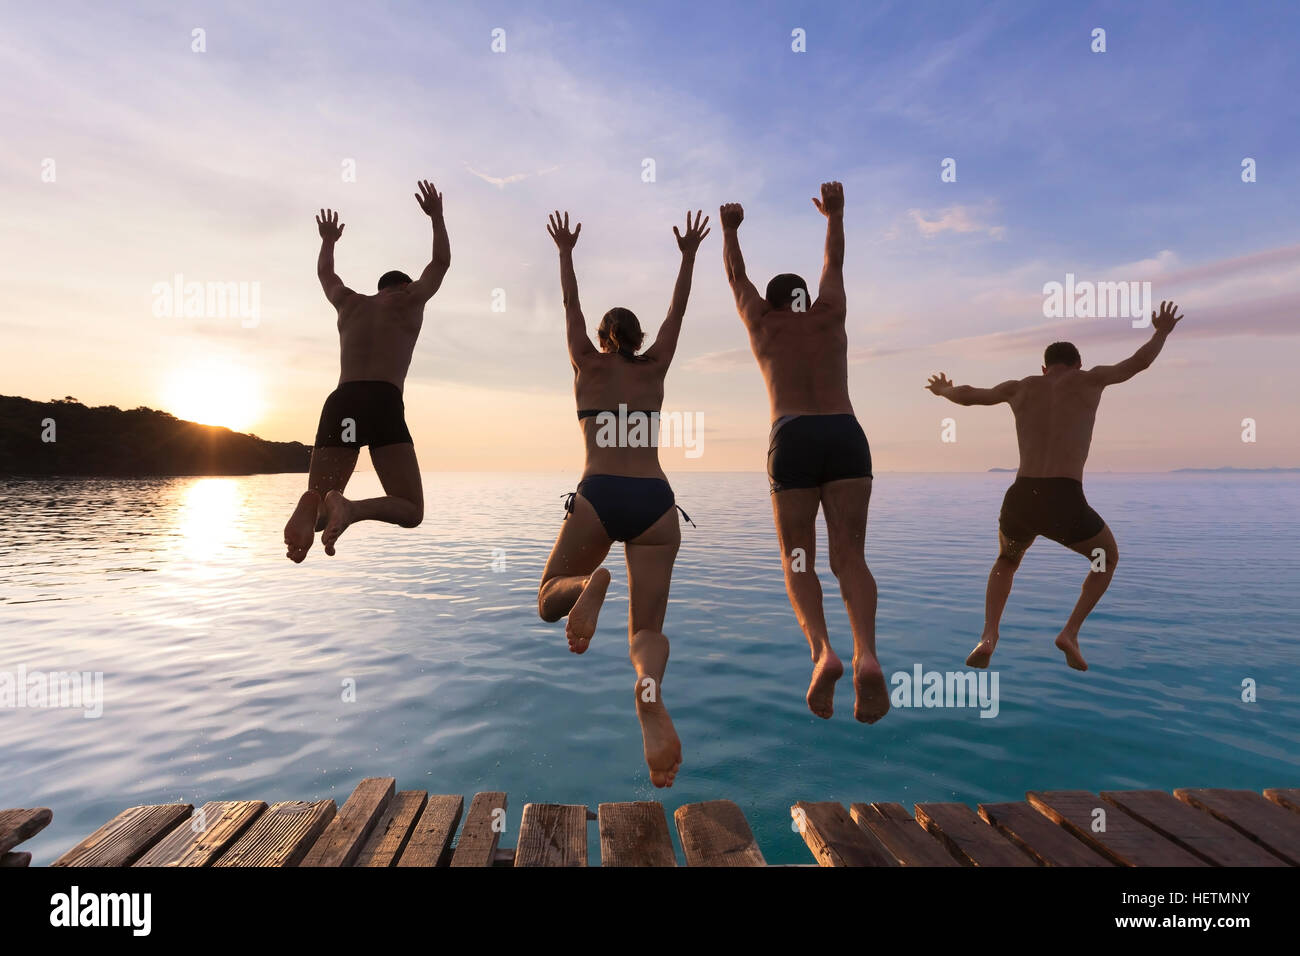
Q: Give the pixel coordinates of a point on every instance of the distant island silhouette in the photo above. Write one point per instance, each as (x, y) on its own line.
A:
(1227, 469)
(112, 442)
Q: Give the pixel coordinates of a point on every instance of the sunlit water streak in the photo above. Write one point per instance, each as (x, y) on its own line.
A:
(224, 663)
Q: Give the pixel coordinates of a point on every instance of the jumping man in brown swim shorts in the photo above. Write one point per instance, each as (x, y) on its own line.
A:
(1054, 413)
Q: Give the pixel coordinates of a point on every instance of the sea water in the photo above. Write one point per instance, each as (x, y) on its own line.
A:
(228, 673)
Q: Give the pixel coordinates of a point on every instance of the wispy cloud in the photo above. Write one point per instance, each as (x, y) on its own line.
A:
(959, 219)
(1272, 316)
(721, 361)
(501, 182)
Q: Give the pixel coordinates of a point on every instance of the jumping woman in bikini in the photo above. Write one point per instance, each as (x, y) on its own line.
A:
(624, 494)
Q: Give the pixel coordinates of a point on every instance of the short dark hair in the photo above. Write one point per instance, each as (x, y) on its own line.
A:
(620, 331)
(392, 278)
(1062, 353)
(781, 291)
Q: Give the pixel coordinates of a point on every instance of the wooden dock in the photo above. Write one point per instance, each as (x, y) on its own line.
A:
(381, 826)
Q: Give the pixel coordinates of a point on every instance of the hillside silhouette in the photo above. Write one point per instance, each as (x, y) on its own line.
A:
(109, 441)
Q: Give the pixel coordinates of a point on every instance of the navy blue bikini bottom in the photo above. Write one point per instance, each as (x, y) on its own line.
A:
(626, 506)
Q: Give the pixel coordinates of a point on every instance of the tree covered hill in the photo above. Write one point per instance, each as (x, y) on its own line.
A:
(111, 441)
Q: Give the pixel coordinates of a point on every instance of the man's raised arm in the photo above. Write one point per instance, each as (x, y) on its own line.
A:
(327, 223)
(969, 394)
(430, 201)
(1164, 323)
(831, 288)
(748, 301)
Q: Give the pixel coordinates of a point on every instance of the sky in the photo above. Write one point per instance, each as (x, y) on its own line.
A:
(130, 158)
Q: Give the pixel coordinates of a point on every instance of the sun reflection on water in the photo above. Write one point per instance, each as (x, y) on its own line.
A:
(207, 522)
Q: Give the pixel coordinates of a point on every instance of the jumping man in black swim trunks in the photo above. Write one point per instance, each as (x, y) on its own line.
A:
(377, 334)
(1055, 413)
(624, 494)
(818, 455)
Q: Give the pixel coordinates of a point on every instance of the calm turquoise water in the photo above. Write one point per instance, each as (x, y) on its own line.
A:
(224, 664)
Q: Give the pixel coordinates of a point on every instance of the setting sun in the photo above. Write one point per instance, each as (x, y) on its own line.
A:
(214, 394)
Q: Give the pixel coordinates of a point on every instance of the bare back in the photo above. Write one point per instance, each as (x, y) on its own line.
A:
(377, 334)
(1055, 415)
(803, 357)
(605, 380)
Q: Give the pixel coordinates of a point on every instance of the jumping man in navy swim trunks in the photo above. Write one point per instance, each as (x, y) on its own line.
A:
(377, 334)
(818, 454)
(1055, 413)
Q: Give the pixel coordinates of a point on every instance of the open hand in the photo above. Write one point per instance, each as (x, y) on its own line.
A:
(939, 383)
(327, 221)
(694, 234)
(732, 215)
(559, 231)
(832, 200)
(1166, 320)
(430, 199)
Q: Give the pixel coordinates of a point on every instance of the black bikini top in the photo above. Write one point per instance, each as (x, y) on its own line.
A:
(593, 412)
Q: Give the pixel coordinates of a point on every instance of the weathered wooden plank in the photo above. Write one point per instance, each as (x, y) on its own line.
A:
(552, 834)
(207, 835)
(432, 833)
(1192, 829)
(968, 837)
(21, 858)
(834, 839)
(902, 836)
(479, 835)
(635, 834)
(281, 836)
(19, 825)
(393, 830)
(1047, 842)
(1284, 797)
(1271, 826)
(714, 833)
(1124, 840)
(127, 837)
(347, 833)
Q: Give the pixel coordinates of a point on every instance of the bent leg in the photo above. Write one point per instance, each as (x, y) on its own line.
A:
(795, 513)
(1001, 578)
(573, 582)
(402, 503)
(329, 471)
(845, 503)
(1094, 586)
(650, 558)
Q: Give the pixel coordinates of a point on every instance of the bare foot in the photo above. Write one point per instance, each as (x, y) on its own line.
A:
(872, 692)
(338, 515)
(299, 533)
(983, 651)
(821, 689)
(663, 751)
(581, 626)
(1070, 644)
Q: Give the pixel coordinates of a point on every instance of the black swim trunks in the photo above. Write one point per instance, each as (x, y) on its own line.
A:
(1052, 507)
(626, 506)
(807, 451)
(363, 413)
